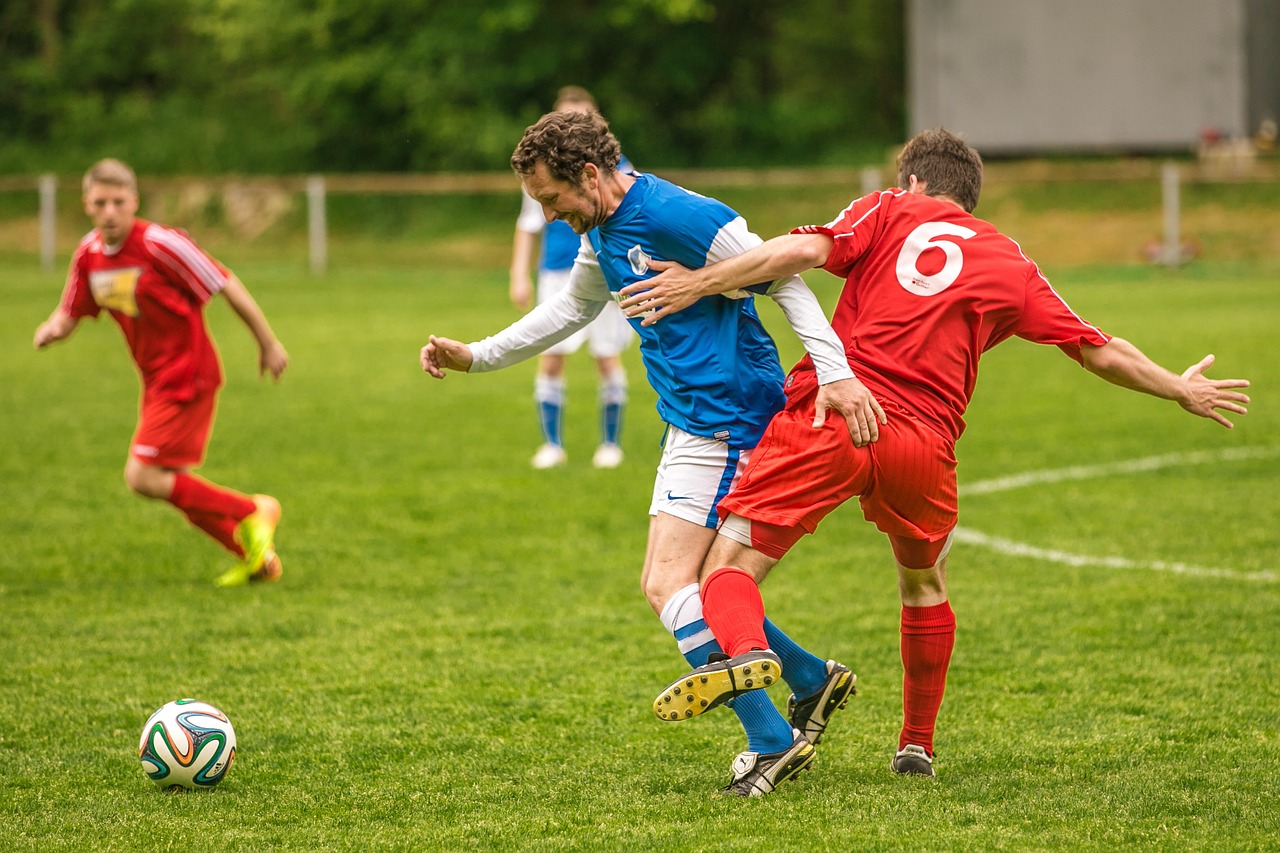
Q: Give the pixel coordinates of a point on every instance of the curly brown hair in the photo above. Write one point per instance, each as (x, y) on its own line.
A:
(567, 141)
(945, 163)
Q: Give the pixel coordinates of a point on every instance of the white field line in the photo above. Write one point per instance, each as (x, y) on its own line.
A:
(1131, 466)
(1087, 472)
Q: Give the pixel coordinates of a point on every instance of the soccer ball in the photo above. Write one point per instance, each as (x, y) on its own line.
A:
(187, 745)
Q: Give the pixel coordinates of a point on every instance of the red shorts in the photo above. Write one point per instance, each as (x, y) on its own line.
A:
(174, 434)
(905, 481)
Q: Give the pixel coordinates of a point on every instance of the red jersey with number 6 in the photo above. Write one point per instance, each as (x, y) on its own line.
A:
(928, 289)
(155, 285)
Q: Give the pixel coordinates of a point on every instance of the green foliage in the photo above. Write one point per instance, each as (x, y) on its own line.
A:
(387, 85)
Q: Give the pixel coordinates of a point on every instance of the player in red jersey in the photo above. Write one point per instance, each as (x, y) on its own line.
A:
(928, 289)
(154, 282)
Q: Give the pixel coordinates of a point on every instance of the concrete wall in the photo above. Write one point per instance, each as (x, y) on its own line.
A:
(1020, 76)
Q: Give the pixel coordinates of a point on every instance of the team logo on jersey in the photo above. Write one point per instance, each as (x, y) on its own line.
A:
(932, 235)
(639, 260)
(116, 290)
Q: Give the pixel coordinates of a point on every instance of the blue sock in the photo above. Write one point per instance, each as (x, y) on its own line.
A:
(613, 398)
(549, 394)
(767, 730)
(611, 423)
(803, 671)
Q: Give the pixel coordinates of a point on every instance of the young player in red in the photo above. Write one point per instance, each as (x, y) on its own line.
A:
(928, 289)
(154, 282)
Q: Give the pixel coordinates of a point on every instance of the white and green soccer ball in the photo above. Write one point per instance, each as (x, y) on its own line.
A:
(187, 745)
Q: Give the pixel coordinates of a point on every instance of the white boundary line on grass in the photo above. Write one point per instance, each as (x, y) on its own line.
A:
(1088, 472)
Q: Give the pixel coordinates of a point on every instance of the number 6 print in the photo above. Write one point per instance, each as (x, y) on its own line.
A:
(925, 237)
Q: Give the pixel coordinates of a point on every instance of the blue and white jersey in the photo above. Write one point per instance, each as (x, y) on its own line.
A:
(714, 366)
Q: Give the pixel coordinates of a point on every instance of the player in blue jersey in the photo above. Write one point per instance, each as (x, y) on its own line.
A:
(606, 336)
(719, 382)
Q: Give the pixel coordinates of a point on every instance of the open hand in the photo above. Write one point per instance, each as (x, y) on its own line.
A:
(1205, 396)
(675, 288)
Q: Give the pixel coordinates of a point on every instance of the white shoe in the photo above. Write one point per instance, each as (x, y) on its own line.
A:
(607, 456)
(549, 456)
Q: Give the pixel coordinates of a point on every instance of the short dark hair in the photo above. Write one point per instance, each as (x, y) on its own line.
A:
(567, 141)
(945, 163)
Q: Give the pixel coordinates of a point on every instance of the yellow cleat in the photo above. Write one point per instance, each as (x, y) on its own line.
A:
(256, 535)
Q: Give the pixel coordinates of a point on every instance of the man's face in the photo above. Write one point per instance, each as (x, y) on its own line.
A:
(580, 205)
(112, 209)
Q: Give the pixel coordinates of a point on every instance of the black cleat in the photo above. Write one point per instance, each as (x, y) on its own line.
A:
(913, 760)
(755, 775)
(811, 714)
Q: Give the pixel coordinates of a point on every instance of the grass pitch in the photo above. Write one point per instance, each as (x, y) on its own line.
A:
(459, 656)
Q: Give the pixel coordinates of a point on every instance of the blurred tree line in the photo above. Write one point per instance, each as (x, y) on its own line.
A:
(290, 86)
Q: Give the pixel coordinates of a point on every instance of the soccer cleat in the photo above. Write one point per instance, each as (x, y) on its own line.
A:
(811, 715)
(270, 570)
(256, 537)
(549, 456)
(716, 682)
(755, 775)
(913, 760)
(608, 455)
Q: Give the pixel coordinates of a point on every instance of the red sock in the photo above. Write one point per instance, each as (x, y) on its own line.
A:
(191, 493)
(222, 528)
(928, 636)
(211, 508)
(734, 611)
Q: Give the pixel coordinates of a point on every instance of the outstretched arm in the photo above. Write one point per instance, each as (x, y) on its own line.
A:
(59, 326)
(1121, 363)
(272, 357)
(677, 287)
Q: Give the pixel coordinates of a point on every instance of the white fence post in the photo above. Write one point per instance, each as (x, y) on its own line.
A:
(871, 180)
(1170, 184)
(317, 228)
(48, 220)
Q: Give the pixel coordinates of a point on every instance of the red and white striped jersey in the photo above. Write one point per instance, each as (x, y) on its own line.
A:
(155, 285)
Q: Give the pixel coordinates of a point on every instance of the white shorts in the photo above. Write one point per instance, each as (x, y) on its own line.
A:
(606, 336)
(694, 474)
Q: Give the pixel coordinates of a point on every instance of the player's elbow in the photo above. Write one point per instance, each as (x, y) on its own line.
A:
(806, 251)
(1104, 359)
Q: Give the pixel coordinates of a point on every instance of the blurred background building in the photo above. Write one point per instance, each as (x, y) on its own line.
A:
(1026, 76)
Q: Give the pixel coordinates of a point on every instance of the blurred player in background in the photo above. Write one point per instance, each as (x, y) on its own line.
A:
(718, 380)
(154, 282)
(606, 336)
(928, 289)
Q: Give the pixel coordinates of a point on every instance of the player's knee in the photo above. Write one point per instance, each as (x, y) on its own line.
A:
(141, 480)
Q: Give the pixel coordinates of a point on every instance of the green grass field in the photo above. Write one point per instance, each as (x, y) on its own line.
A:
(459, 656)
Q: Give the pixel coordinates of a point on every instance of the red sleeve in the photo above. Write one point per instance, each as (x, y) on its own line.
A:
(852, 232)
(184, 263)
(77, 298)
(1047, 319)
